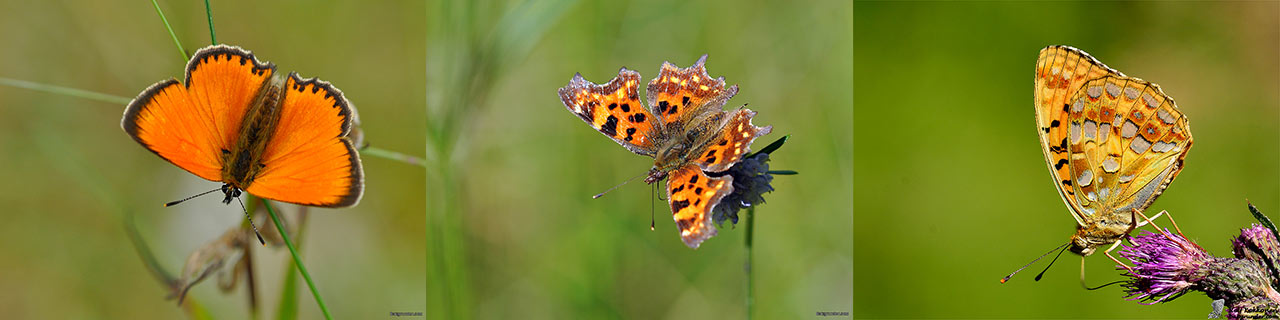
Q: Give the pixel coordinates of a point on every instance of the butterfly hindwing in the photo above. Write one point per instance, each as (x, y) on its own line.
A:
(310, 160)
(692, 194)
(1140, 142)
(686, 94)
(189, 123)
(732, 143)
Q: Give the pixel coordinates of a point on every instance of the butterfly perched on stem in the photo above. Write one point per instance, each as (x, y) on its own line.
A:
(1112, 143)
(234, 120)
(684, 128)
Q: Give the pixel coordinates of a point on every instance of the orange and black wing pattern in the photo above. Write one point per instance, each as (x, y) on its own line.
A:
(190, 123)
(733, 142)
(684, 94)
(310, 159)
(614, 109)
(692, 194)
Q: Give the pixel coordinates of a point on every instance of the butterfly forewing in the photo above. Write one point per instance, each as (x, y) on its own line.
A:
(687, 95)
(189, 123)
(1059, 71)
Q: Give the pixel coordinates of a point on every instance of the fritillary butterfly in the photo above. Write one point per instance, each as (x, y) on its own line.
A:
(1112, 142)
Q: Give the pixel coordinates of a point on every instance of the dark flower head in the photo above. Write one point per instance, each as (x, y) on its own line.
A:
(751, 180)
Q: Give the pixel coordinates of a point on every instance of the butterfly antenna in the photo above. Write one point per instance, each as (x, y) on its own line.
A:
(597, 196)
(255, 228)
(173, 203)
(1062, 247)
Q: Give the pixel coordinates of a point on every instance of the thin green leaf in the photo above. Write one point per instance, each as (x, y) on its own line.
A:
(783, 172)
(1264, 220)
(772, 146)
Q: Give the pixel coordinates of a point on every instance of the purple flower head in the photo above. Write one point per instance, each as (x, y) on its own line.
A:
(1165, 266)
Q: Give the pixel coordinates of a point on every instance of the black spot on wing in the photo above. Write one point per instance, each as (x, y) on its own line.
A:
(610, 126)
(676, 206)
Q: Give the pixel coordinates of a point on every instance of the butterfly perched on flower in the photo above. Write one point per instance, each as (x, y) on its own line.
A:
(1112, 143)
(684, 128)
(234, 120)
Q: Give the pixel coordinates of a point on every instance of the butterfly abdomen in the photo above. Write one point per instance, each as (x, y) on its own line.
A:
(256, 131)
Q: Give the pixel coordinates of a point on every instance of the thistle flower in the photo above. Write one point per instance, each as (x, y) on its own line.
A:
(751, 180)
(1168, 265)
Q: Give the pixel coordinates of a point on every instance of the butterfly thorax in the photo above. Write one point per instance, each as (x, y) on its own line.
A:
(682, 143)
(1105, 230)
(243, 161)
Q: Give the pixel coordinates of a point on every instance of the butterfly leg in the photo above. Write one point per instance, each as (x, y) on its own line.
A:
(1113, 258)
(1151, 221)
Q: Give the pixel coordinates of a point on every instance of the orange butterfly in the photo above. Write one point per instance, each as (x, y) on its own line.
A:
(684, 129)
(234, 120)
(1112, 142)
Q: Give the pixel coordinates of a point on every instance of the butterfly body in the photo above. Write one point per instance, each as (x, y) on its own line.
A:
(684, 129)
(235, 121)
(1112, 143)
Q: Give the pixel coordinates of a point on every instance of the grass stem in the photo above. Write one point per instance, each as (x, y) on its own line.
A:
(181, 51)
(297, 260)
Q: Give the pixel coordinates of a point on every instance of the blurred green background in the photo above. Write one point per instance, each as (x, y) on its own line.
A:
(72, 174)
(519, 235)
(509, 228)
(951, 188)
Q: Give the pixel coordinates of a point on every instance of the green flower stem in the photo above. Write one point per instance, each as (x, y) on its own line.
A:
(751, 216)
(297, 260)
(171, 34)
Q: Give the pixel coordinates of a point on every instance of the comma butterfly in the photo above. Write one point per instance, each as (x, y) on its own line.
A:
(691, 138)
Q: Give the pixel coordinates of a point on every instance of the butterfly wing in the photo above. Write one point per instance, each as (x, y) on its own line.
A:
(1060, 70)
(1127, 143)
(310, 160)
(691, 194)
(190, 123)
(686, 94)
(614, 109)
(732, 144)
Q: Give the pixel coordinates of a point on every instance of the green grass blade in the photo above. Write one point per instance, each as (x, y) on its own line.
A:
(288, 307)
(208, 12)
(302, 268)
(392, 155)
(171, 34)
(64, 91)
